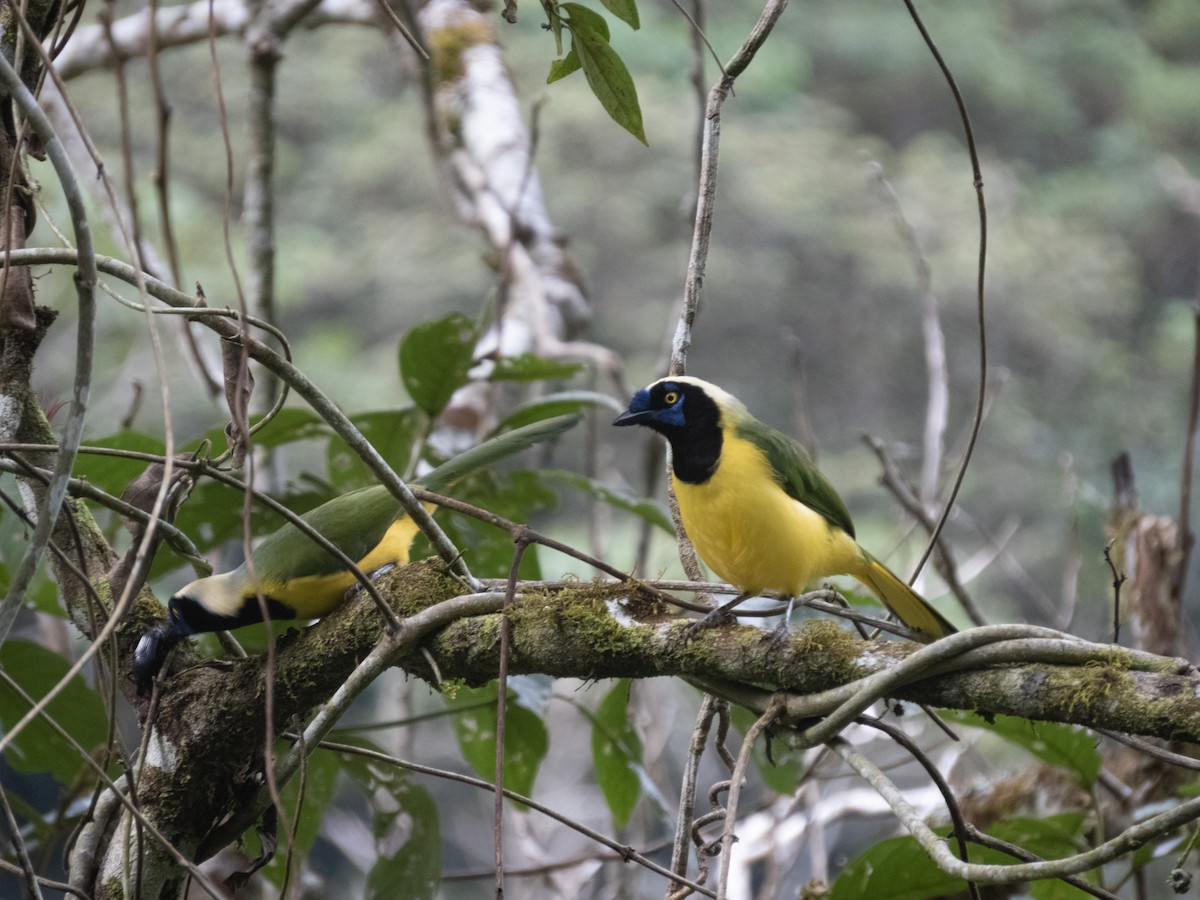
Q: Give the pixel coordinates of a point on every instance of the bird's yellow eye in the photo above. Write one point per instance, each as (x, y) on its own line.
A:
(670, 397)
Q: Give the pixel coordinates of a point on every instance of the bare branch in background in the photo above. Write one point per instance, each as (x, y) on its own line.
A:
(980, 274)
(707, 187)
(189, 24)
(938, 405)
(484, 152)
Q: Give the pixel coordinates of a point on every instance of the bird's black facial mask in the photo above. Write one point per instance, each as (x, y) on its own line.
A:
(695, 437)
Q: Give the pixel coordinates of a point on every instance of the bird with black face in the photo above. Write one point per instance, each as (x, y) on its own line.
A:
(296, 578)
(755, 506)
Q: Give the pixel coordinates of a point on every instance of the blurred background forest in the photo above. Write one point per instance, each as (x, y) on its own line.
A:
(1088, 121)
(1088, 118)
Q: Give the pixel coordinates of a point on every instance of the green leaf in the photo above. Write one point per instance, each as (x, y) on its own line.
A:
(525, 737)
(408, 842)
(42, 594)
(435, 358)
(1053, 889)
(894, 869)
(899, 869)
(652, 512)
(317, 783)
(606, 73)
(111, 473)
(583, 20)
(558, 404)
(409, 845)
(531, 367)
(392, 432)
(781, 770)
(617, 753)
(1060, 745)
(1050, 837)
(288, 427)
(489, 550)
(561, 68)
(78, 709)
(625, 10)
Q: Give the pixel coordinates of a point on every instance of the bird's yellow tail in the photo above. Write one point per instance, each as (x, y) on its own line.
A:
(905, 603)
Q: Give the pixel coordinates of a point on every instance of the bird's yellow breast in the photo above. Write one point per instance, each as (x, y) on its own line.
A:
(314, 596)
(752, 534)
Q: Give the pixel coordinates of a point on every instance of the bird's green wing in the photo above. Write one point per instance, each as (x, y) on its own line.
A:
(796, 472)
(355, 522)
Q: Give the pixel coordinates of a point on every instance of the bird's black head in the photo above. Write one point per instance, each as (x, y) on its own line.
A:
(689, 418)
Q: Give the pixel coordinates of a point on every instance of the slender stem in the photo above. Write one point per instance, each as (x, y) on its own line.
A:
(707, 193)
(85, 283)
(977, 176)
(522, 542)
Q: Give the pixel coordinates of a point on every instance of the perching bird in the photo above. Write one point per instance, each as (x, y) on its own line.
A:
(754, 505)
(297, 577)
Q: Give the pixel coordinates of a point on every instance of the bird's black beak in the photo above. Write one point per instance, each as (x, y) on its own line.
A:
(634, 417)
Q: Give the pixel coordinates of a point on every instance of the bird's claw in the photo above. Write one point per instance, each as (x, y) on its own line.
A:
(712, 620)
(781, 631)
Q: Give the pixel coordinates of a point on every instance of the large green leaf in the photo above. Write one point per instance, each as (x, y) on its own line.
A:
(1060, 745)
(391, 432)
(900, 869)
(111, 473)
(894, 869)
(525, 737)
(531, 367)
(558, 404)
(488, 550)
(408, 842)
(42, 594)
(435, 358)
(617, 753)
(312, 789)
(625, 10)
(289, 426)
(779, 767)
(605, 71)
(78, 709)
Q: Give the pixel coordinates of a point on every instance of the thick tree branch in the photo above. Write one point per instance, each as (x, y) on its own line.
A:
(176, 26)
(211, 717)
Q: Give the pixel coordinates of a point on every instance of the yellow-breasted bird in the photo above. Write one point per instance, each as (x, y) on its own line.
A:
(754, 505)
(297, 577)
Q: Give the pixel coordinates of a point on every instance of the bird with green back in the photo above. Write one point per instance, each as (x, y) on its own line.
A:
(755, 506)
(299, 579)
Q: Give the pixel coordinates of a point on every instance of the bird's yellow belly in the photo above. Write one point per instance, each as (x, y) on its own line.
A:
(756, 537)
(317, 595)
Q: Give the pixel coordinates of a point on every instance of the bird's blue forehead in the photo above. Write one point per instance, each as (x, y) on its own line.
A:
(640, 401)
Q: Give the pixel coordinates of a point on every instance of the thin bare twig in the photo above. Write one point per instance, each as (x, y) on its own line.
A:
(687, 795)
(707, 187)
(1118, 579)
(735, 789)
(903, 492)
(977, 177)
(956, 816)
(522, 544)
(937, 406)
(18, 844)
(1186, 539)
(85, 281)
(626, 852)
